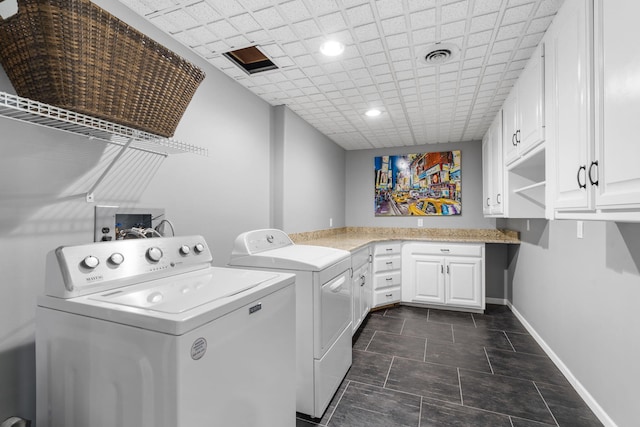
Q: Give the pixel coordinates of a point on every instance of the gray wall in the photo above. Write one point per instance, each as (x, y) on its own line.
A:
(43, 174)
(581, 296)
(310, 174)
(360, 189)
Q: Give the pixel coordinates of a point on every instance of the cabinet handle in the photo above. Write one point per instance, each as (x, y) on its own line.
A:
(389, 249)
(513, 140)
(498, 198)
(388, 295)
(488, 201)
(518, 136)
(441, 269)
(445, 250)
(362, 280)
(581, 185)
(447, 269)
(388, 279)
(595, 163)
(370, 258)
(389, 262)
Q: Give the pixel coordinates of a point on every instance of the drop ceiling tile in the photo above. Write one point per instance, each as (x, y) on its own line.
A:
(332, 23)
(423, 18)
(203, 13)
(294, 11)
(367, 32)
(377, 58)
(511, 31)
(397, 41)
(473, 63)
(360, 14)
(389, 8)
(452, 30)
(478, 39)
(246, 22)
(394, 25)
(454, 11)
(320, 7)
(223, 29)
(531, 40)
(504, 45)
(307, 29)
(186, 39)
(256, 4)
(517, 14)
(181, 20)
(283, 34)
(269, 18)
(483, 22)
(548, 7)
(202, 35)
(486, 6)
(228, 8)
(304, 61)
(371, 47)
(380, 69)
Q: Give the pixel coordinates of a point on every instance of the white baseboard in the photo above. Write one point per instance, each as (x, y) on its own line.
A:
(582, 391)
(499, 301)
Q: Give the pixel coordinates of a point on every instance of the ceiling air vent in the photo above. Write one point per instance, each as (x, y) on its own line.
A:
(439, 53)
(251, 60)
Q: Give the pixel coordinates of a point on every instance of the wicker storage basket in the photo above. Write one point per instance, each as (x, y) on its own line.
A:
(75, 55)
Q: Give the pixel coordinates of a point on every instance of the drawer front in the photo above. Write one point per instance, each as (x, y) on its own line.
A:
(445, 249)
(387, 249)
(359, 258)
(386, 296)
(387, 264)
(386, 280)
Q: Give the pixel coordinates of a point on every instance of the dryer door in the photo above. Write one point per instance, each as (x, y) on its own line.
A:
(334, 312)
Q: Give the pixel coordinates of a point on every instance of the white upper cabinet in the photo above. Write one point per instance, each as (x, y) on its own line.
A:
(523, 110)
(568, 105)
(615, 172)
(593, 101)
(494, 200)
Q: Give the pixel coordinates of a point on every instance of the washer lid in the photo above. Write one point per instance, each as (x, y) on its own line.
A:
(293, 257)
(177, 295)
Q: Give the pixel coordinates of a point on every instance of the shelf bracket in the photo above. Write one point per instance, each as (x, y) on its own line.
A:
(90, 196)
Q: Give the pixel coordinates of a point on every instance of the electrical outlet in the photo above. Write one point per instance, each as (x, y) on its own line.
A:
(420, 222)
(330, 222)
(580, 229)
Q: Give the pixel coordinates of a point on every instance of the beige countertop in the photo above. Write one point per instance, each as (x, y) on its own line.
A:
(353, 238)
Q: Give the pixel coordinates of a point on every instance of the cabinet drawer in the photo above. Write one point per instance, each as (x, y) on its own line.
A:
(445, 249)
(386, 296)
(387, 249)
(386, 280)
(359, 258)
(386, 264)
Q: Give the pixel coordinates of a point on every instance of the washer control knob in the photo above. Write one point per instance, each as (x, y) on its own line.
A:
(184, 250)
(91, 261)
(116, 258)
(154, 254)
(199, 248)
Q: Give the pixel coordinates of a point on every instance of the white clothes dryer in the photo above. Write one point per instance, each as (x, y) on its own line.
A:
(146, 333)
(323, 309)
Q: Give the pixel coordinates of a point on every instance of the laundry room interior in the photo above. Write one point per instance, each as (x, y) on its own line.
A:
(290, 150)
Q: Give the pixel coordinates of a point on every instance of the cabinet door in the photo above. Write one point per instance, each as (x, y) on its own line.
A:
(487, 173)
(425, 280)
(464, 282)
(617, 103)
(497, 168)
(530, 131)
(568, 47)
(510, 126)
(356, 299)
(367, 291)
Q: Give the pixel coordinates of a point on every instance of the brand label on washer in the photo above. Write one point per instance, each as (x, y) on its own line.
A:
(198, 348)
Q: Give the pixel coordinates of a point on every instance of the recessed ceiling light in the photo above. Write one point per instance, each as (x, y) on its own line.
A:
(332, 48)
(374, 112)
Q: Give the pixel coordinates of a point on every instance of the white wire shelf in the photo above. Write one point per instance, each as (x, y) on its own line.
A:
(27, 110)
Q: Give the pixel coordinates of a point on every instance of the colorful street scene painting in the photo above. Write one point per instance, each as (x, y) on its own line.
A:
(418, 184)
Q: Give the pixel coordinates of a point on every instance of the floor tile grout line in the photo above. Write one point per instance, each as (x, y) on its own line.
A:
(474, 320)
(510, 420)
(510, 343)
(370, 340)
(420, 413)
(386, 378)
(488, 360)
(402, 327)
(453, 334)
(338, 402)
(460, 387)
(424, 354)
(545, 403)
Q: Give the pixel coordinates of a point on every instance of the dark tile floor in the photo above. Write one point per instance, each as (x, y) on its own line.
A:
(425, 367)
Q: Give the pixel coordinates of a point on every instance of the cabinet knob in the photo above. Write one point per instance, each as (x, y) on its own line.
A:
(580, 184)
(591, 180)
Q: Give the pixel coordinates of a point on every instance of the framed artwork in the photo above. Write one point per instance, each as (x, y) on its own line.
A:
(418, 184)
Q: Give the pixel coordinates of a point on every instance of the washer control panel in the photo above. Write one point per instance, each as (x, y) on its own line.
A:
(256, 241)
(96, 267)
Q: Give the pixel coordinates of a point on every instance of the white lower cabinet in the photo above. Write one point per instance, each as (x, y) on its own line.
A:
(449, 274)
(362, 286)
(386, 273)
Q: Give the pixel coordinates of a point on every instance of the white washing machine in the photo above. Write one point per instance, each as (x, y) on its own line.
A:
(323, 309)
(146, 333)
